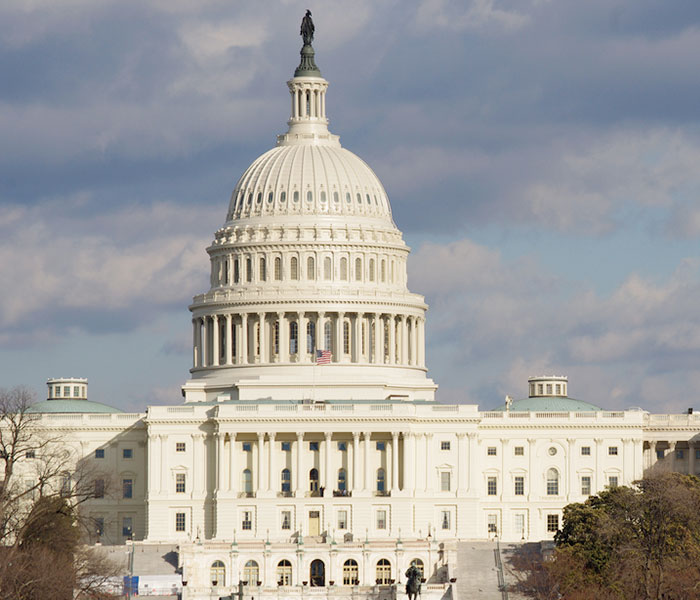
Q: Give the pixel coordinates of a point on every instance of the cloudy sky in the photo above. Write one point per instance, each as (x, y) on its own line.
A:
(542, 158)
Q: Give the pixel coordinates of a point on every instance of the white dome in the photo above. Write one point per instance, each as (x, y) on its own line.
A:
(303, 179)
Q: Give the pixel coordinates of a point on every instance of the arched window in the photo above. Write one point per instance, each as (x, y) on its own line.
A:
(383, 572)
(327, 268)
(278, 269)
(350, 572)
(294, 268)
(344, 269)
(346, 337)
(310, 268)
(552, 482)
(383, 270)
(358, 269)
(277, 337)
(293, 337)
(418, 564)
(317, 573)
(284, 572)
(392, 271)
(217, 573)
(247, 481)
(226, 271)
(381, 480)
(236, 272)
(371, 269)
(311, 337)
(263, 269)
(327, 335)
(313, 480)
(342, 480)
(286, 480)
(248, 270)
(251, 573)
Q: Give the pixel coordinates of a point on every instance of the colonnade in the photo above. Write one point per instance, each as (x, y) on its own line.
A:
(282, 337)
(308, 100)
(674, 455)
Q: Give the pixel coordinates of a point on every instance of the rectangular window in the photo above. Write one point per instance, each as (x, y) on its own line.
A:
(342, 446)
(127, 453)
(29, 454)
(552, 523)
(381, 446)
(519, 451)
(492, 523)
(585, 450)
(100, 453)
(180, 521)
(492, 486)
(679, 453)
(76, 391)
(445, 519)
(127, 488)
(586, 485)
(247, 521)
(381, 519)
(342, 519)
(286, 519)
(247, 447)
(99, 488)
(313, 446)
(66, 391)
(659, 455)
(99, 526)
(612, 450)
(697, 454)
(444, 445)
(180, 446)
(445, 482)
(520, 486)
(126, 527)
(286, 446)
(540, 388)
(612, 481)
(549, 389)
(491, 451)
(558, 389)
(180, 483)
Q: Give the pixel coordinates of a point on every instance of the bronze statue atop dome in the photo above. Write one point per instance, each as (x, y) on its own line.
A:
(307, 28)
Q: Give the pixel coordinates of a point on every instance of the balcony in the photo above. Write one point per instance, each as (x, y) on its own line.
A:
(342, 493)
(246, 494)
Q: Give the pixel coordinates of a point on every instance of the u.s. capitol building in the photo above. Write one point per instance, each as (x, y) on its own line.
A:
(310, 451)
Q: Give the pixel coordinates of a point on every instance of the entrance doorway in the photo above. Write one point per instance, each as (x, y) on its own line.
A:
(317, 574)
(314, 523)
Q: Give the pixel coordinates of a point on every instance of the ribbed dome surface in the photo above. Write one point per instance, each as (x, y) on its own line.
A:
(309, 179)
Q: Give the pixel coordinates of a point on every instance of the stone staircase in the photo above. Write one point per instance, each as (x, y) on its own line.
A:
(477, 571)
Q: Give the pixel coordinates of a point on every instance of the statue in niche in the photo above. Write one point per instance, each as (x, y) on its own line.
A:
(307, 29)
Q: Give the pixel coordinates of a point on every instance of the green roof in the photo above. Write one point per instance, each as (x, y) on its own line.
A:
(550, 404)
(71, 406)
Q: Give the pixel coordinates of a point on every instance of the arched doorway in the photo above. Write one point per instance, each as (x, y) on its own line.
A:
(317, 573)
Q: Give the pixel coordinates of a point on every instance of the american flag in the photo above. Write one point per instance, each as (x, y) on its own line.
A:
(323, 357)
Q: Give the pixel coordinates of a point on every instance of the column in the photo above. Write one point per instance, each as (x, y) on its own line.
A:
(205, 340)
(263, 338)
(220, 462)
(229, 340)
(672, 455)
(356, 347)
(368, 481)
(391, 323)
(244, 338)
(261, 462)
(320, 334)
(652, 454)
(414, 341)
(298, 479)
(409, 462)
(462, 467)
(356, 479)
(215, 349)
(429, 479)
(404, 340)
(421, 342)
(531, 469)
(378, 340)
(284, 338)
(627, 474)
(195, 343)
(271, 467)
(395, 462)
(163, 463)
(301, 332)
(599, 478)
(233, 477)
(154, 461)
(339, 338)
(638, 458)
(691, 457)
(502, 491)
(570, 489)
(327, 479)
(472, 481)
(198, 459)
